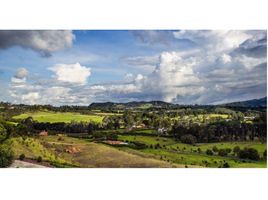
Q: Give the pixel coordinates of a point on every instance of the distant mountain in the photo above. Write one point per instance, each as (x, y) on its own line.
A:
(250, 103)
(133, 104)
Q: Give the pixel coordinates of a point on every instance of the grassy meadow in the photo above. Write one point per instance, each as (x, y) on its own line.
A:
(176, 152)
(67, 117)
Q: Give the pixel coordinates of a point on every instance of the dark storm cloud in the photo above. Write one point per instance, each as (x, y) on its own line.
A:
(256, 48)
(44, 42)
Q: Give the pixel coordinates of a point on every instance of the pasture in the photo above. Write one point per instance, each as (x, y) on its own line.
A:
(66, 151)
(67, 117)
(186, 154)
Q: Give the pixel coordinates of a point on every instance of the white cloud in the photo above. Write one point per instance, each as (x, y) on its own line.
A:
(30, 98)
(222, 66)
(225, 58)
(216, 40)
(18, 80)
(21, 73)
(71, 73)
(173, 77)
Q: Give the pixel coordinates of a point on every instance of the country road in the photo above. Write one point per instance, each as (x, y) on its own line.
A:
(23, 164)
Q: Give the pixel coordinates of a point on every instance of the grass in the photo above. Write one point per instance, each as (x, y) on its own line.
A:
(66, 117)
(99, 155)
(202, 159)
(186, 154)
(33, 148)
(147, 139)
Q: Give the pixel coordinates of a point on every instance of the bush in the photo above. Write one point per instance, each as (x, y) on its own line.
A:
(226, 165)
(199, 150)
(249, 153)
(215, 149)
(223, 152)
(236, 149)
(6, 155)
(22, 157)
(39, 159)
(188, 139)
(209, 152)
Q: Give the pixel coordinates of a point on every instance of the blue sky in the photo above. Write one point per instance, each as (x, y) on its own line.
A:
(179, 66)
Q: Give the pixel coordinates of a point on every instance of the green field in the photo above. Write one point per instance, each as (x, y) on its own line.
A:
(67, 117)
(175, 152)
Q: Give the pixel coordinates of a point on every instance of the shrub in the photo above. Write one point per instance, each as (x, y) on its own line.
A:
(6, 155)
(222, 152)
(209, 152)
(265, 154)
(249, 153)
(226, 165)
(236, 149)
(39, 159)
(22, 157)
(228, 150)
(199, 150)
(215, 149)
(188, 139)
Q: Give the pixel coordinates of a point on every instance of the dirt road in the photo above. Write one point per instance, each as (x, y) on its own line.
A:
(23, 164)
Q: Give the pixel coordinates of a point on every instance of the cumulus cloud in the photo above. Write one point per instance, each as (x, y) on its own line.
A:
(20, 76)
(216, 40)
(71, 73)
(222, 66)
(21, 73)
(30, 98)
(43, 41)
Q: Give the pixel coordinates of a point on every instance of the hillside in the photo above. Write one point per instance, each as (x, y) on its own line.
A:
(249, 103)
(133, 104)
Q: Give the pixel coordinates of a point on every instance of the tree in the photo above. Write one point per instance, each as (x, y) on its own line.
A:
(215, 149)
(223, 152)
(39, 159)
(90, 128)
(22, 157)
(226, 165)
(6, 155)
(236, 149)
(209, 152)
(249, 153)
(188, 139)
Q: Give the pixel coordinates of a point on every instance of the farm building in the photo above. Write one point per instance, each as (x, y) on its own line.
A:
(139, 126)
(43, 133)
(113, 142)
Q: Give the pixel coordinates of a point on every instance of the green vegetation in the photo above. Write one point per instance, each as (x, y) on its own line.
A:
(6, 155)
(154, 134)
(66, 117)
(91, 154)
(200, 154)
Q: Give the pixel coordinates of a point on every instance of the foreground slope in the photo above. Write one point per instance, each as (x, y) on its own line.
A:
(66, 151)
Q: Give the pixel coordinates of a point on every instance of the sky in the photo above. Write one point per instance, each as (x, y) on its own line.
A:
(79, 67)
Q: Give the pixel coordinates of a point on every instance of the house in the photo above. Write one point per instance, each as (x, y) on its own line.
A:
(113, 142)
(162, 131)
(43, 133)
(140, 126)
